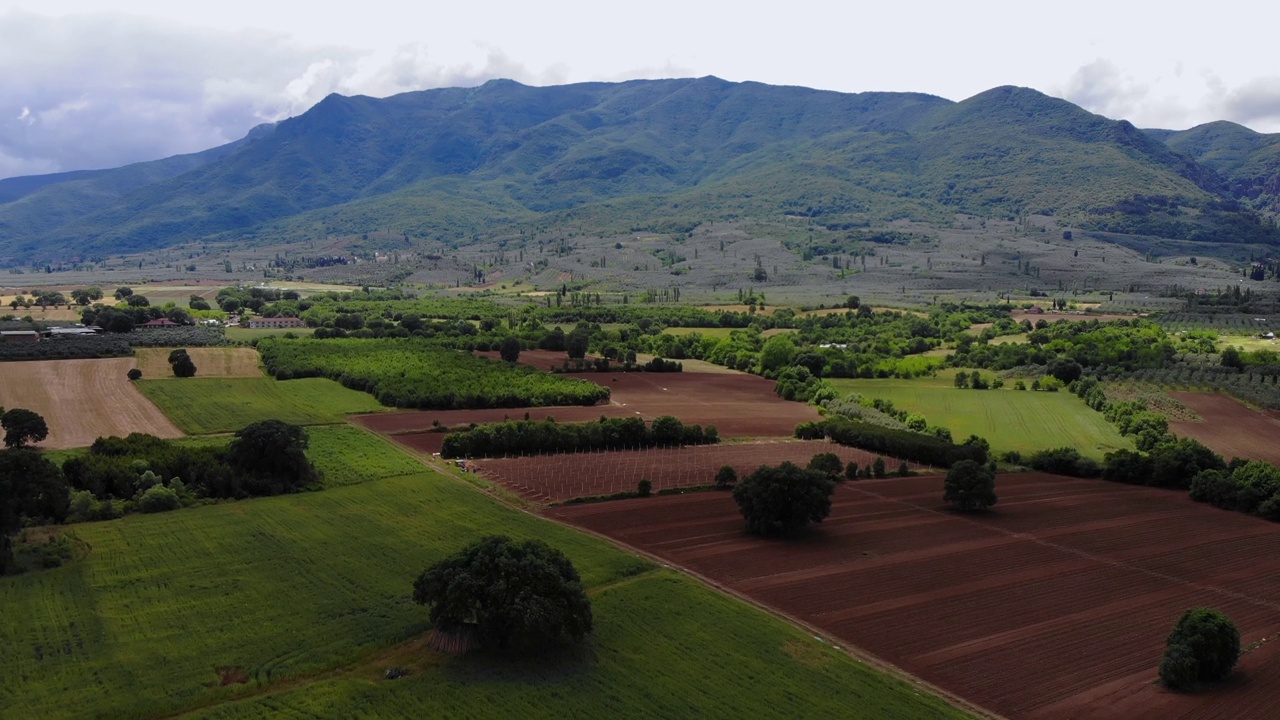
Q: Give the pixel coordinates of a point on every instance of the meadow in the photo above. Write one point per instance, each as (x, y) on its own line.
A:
(211, 405)
(294, 605)
(1022, 421)
(209, 361)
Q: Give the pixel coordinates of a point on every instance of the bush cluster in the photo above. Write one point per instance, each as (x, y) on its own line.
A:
(542, 437)
(903, 444)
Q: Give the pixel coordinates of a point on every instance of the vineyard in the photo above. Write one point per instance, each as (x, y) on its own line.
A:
(1259, 388)
(1229, 323)
(555, 478)
(411, 373)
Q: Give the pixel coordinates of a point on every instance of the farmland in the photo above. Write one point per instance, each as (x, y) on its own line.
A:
(1229, 427)
(408, 373)
(210, 362)
(1055, 605)
(1023, 421)
(209, 405)
(243, 334)
(305, 599)
(555, 478)
(82, 400)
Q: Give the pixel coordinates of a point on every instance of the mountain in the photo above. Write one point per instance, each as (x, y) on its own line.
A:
(452, 164)
(1248, 161)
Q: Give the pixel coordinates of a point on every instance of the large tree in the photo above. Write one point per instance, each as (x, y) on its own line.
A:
(273, 453)
(510, 348)
(1203, 647)
(512, 595)
(783, 499)
(970, 486)
(31, 489)
(22, 426)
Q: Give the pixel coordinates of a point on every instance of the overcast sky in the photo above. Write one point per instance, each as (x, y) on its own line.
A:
(100, 84)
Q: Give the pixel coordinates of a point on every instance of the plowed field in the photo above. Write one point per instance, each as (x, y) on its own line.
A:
(1229, 427)
(739, 405)
(551, 478)
(1055, 605)
(82, 400)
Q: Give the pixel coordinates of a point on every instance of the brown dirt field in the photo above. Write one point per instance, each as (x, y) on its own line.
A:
(544, 360)
(82, 400)
(1229, 427)
(210, 362)
(738, 404)
(1055, 605)
(555, 478)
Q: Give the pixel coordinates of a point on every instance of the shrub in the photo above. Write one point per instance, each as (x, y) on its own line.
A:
(1203, 647)
(726, 477)
(970, 486)
(134, 374)
(783, 499)
(644, 488)
(828, 464)
(878, 468)
(159, 498)
(1064, 461)
(851, 471)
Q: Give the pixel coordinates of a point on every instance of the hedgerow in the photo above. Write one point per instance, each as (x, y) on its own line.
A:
(531, 437)
(410, 373)
(902, 444)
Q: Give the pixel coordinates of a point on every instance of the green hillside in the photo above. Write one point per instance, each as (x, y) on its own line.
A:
(1248, 161)
(454, 163)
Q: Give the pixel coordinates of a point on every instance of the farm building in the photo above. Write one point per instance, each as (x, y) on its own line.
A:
(276, 322)
(16, 336)
(159, 323)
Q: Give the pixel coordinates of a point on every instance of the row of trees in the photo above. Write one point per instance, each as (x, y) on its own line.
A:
(533, 437)
(904, 444)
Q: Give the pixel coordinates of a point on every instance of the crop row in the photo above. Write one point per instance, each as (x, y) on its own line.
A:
(411, 373)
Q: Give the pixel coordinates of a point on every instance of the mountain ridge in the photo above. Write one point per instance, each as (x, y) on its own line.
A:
(460, 161)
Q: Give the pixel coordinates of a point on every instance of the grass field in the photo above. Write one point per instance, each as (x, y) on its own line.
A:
(210, 405)
(350, 455)
(209, 361)
(306, 597)
(1024, 421)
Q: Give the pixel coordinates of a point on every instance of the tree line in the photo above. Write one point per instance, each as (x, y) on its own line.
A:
(544, 437)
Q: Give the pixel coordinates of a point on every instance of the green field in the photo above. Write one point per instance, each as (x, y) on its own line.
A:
(1009, 419)
(210, 405)
(351, 455)
(307, 596)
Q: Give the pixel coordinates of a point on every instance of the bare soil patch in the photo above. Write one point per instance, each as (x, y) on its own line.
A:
(82, 400)
(1229, 427)
(738, 404)
(555, 478)
(1055, 605)
(237, 362)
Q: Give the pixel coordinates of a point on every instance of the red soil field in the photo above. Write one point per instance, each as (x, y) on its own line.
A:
(1055, 605)
(541, 359)
(553, 478)
(1230, 427)
(739, 405)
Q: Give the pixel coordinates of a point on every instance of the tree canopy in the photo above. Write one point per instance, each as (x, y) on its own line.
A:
(1203, 647)
(23, 426)
(31, 489)
(780, 500)
(970, 486)
(274, 452)
(521, 596)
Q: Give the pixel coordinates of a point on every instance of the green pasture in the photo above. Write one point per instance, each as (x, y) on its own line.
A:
(1248, 343)
(307, 596)
(210, 405)
(350, 455)
(243, 334)
(1020, 420)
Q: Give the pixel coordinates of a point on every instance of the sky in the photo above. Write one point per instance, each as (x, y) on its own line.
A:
(87, 84)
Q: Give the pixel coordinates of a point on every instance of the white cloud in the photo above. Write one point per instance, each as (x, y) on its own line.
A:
(92, 91)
